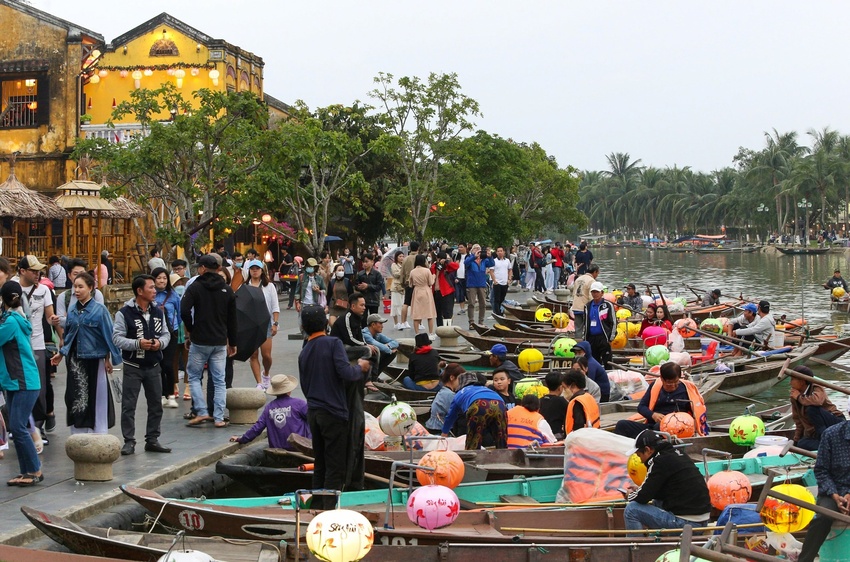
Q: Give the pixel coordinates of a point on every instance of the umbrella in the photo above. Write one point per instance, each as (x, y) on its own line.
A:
(387, 261)
(252, 321)
(333, 239)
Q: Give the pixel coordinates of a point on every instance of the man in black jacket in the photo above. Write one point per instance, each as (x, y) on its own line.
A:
(208, 310)
(600, 324)
(140, 333)
(370, 283)
(673, 484)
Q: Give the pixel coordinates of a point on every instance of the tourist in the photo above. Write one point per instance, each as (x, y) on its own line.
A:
(475, 266)
(20, 380)
(407, 267)
(600, 321)
(423, 368)
(583, 259)
(311, 288)
(347, 261)
(91, 354)
(444, 270)
(281, 417)
(156, 261)
(339, 289)
(370, 283)
(324, 371)
(422, 302)
(582, 364)
(526, 425)
(548, 272)
(557, 264)
(662, 320)
(538, 261)
(104, 271)
(485, 412)
(250, 255)
(581, 296)
(836, 281)
(530, 275)
(811, 410)
(141, 333)
(648, 317)
(673, 484)
(498, 358)
(553, 406)
(397, 290)
(443, 401)
(67, 301)
(294, 271)
(259, 278)
(582, 409)
(168, 302)
(373, 334)
(501, 275)
(667, 394)
(631, 300)
(504, 387)
(460, 279)
(180, 267)
(56, 273)
(325, 267)
(208, 310)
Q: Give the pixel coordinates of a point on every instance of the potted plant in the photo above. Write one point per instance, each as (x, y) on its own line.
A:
(85, 119)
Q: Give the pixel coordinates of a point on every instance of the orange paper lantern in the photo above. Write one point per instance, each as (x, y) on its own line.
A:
(448, 469)
(680, 424)
(728, 487)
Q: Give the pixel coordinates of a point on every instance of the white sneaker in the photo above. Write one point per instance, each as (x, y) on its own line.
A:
(265, 381)
(406, 326)
(432, 337)
(164, 400)
(171, 402)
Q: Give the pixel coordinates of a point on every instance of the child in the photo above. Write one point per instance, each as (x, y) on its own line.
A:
(504, 387)
(526, 425)
(553, 406)
(281, 417)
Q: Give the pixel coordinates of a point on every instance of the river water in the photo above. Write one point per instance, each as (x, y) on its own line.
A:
(792, 285)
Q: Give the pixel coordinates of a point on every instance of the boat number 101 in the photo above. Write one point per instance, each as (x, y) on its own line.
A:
(399, 541)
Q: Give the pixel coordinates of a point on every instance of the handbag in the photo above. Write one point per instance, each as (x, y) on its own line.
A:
(323, 300)
(341, 303)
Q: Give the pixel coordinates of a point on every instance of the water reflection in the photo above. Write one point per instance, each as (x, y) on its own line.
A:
(792, 284)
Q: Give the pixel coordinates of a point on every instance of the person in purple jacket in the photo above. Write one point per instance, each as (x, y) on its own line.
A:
(281, 417)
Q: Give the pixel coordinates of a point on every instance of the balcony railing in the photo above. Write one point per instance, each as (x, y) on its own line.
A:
(121, 133)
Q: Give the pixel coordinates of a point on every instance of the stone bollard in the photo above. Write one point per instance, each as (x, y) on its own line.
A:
(562, 295)
(93, 455)
(243, 403)
(531, 303)
(401, 358)
(448, 336)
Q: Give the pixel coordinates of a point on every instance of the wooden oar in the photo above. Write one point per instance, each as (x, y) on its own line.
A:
(740, 397)
(813, 380)
(724, 339)
(830, 364)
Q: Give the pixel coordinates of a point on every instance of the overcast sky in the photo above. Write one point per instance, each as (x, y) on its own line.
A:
(672, 82)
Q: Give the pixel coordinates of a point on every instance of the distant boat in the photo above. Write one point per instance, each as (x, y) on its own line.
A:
(802, 251)
(729, 250)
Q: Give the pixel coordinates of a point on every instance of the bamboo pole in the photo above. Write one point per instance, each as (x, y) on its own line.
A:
(724, 339)
(618, 532)
(813, 380)
(830, 364)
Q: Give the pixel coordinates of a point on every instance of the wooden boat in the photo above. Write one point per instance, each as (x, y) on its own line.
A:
(802, 251)
(725, 250)
(840, 306)
(18, 553)
(145, 547)
(375, 406)
(519, 313)
(273, 518)
(396, 551)
(404, 394)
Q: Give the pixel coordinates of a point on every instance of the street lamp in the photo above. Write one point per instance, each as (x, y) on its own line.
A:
(805, 205)
(762, 208)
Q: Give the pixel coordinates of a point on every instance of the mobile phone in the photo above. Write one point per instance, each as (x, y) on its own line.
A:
(624, 492)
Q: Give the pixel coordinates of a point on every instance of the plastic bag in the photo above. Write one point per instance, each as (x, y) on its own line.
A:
(629, 382)
(677, 343)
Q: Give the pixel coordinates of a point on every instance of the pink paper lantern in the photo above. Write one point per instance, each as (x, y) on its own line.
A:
(654, 335)
(432, 507)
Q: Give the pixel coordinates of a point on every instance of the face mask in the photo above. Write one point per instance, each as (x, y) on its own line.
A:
(310, 270)
(340, 274)
(238, 263)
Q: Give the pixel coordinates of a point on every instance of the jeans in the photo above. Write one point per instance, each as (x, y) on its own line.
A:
(556, 273)
(647, 516)
(408, 383)
(818, 531)
(215, 357)
(20, 403)
(499, 294)
(134, 379)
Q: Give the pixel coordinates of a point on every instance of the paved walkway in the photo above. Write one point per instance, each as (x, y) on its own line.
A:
(191, 447)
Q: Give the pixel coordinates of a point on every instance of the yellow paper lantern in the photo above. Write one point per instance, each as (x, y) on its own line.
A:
(560, 320)
(530, 360)
(623, 313)
(619, 341)
(782, 517)
(637, 470)
(838, 292)
(340, 535)
(633, 329)
(543, 314)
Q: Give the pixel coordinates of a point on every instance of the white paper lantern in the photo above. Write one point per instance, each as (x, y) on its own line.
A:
(340, 535)
(186, 556)
(397, 418)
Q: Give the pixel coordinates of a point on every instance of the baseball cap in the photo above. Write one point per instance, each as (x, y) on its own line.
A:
(10, 289)
(499, 349)
(209, 261)
(646, 438)
(631, 286)
(30, 262)
(764, 306)
(254, 263)
(375, 318)
(750, 307)
(313, 319)
(597, 286)
(716, 292)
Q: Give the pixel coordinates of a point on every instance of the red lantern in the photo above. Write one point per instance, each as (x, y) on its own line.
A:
(728, 487)
(680, 424)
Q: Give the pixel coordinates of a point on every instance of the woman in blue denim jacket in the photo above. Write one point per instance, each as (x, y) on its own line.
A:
(169, 301)
(88, 345)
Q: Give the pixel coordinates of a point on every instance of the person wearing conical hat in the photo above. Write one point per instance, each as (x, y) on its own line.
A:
(281, 417)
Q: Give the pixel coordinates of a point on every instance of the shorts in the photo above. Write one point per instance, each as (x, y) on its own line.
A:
(408, 296)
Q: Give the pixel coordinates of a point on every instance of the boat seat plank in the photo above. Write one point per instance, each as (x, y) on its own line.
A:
(517, 499)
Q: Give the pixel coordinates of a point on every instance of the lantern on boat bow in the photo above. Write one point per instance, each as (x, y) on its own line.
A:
(340, 535)
(432, 507)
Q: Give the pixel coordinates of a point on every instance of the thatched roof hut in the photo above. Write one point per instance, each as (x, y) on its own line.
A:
(19, 202)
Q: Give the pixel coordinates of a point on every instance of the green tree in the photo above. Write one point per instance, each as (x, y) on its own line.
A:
(422, 118)
(192, 170)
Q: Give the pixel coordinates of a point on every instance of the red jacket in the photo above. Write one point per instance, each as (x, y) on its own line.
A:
(446, 287)
(557, 257)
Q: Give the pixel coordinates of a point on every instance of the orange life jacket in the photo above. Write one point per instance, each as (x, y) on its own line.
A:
(522, 428)
(591, 475)
(697, 404)
(591, 412)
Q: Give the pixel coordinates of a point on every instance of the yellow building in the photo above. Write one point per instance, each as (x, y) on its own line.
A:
(43, 60)
(164, 49)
